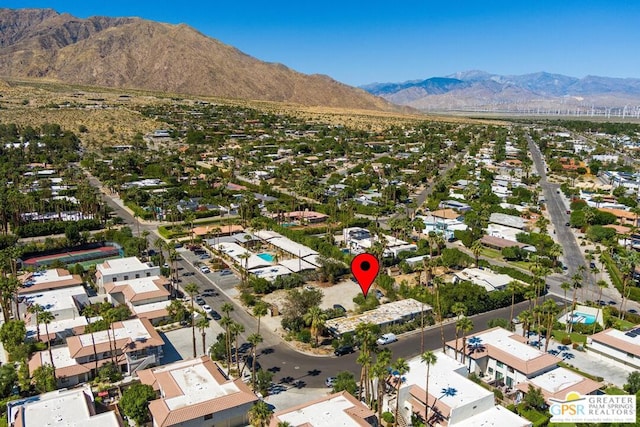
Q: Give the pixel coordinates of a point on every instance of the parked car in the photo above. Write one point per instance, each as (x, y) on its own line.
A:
(345, 349)
(379, 294)
(205, 269)
(330, 381)
(210, 293)
(215, 315)
(200, 301)
(207, 308)
(226, 272)
(204, 256)
(633, 311)
(339, 307)
(387, 339)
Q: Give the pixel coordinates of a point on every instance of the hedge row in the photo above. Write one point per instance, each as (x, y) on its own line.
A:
(34, 229)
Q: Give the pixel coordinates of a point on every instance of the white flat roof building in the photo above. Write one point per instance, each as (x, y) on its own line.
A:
(119, 269)
(60, 408)
(62, 303)
(622, 348)
(555, 384)
(338, 409)
(385, 314)
(53, 278)
(197, 392)
(453, 399)
(501, 355)
(486, 278)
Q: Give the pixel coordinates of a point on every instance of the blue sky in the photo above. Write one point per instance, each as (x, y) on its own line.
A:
(359, 42)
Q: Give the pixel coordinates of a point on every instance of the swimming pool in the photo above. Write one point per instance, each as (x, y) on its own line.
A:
(266, 256)
(587, 319)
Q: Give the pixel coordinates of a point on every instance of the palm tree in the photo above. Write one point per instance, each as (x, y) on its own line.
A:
(46, 317)
(514, 287)
(401, 367)
(459, 309)
(466, 325)
(254, 340)
(192, 290)
(436, 417)
(203, 324)
(89, 312)
(476, 249)
(550, 311)
(245, 258)
(429, 358)
(380, 371)
(36, 309)
(366, 334)
(315, 318)
(235, 329)
(259, 310)
(565, 286)
(226, 322)
(436, 283)
(260, 414)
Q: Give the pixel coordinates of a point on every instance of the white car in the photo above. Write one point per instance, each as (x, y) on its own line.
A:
(205, 269)
(387, 339)
(207, 308)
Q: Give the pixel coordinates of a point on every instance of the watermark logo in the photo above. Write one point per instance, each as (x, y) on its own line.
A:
(576, 408)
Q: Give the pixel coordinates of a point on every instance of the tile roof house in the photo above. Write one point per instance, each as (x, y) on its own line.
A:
(622, 348)
(555, 384)
(137, 345)
(337, 409)
(147, 297)
(55, 278)
(500, 356)
(197, 392)
(452, 398)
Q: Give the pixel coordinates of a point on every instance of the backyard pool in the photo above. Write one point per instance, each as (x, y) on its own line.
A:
(587, 319)
(266, 256)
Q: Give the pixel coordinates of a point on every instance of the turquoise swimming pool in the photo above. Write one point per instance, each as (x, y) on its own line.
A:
(587, 319)
(266, 256)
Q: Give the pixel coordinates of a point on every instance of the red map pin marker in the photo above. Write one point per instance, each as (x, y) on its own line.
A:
(365, 268)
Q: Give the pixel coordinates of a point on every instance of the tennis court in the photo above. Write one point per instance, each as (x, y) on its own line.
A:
(90, 256)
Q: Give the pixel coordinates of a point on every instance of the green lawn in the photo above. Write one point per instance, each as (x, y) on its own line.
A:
(575, 337)
(615, 391)
(491, 253)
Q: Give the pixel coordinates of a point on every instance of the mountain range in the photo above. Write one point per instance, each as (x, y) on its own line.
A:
(479, 90)
(141, 54)
(133, 53)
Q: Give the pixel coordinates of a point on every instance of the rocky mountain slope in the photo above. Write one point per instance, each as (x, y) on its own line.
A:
(142, 54)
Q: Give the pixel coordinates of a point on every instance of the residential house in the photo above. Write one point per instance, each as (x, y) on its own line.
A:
(146, 297)
(337, 409)
(624, 217)
(63, 407)
(555, 384)
(55, 278)
(501, 357)
(65, 304)
(135, 344)
(197, 392)
(483, 277)
(453, 400)
(622, 348)
(122, 269)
